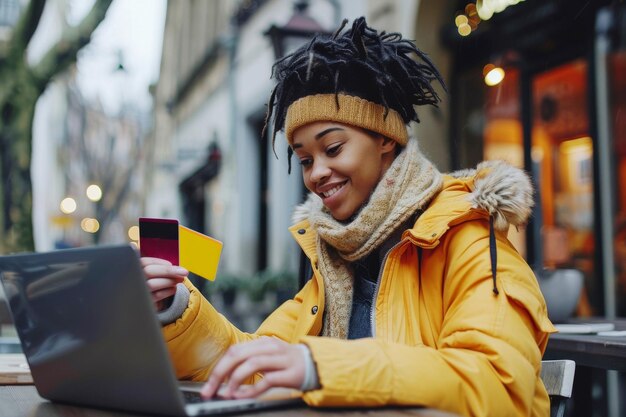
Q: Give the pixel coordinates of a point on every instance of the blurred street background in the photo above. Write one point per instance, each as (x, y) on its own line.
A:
(115, 109)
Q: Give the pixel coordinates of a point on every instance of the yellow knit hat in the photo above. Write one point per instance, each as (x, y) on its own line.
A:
(352, 110)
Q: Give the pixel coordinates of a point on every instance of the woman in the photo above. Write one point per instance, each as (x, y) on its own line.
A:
(417, 297)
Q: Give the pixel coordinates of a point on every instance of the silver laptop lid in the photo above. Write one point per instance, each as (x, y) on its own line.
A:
(88, 329)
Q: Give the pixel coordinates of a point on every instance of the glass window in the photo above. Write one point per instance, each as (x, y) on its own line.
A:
(562, 155)
(490, 125)
(503, 134)
(470, 102)
(617, 90)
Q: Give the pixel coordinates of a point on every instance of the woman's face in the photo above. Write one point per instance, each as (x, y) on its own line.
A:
(341, 164)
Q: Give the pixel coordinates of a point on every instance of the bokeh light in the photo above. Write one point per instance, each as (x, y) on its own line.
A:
(484, 9)
(68, 205)
(90, 225)
(465, 29)
(494, 76)
(133, 232)
(94, 193)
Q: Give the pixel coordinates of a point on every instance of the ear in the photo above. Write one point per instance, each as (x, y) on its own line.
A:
(388, 145)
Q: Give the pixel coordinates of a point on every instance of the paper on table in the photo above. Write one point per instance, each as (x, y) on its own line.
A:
(613, 333)
(584, 328)
(14, 369)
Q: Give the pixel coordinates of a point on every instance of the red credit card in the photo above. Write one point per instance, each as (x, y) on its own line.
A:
(158, 238)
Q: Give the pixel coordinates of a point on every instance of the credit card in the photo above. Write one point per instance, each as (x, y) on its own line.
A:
(199, 253)
(158, 238)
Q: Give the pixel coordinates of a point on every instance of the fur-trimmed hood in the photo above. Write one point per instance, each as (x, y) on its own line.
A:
(499, 188)
(502, 190)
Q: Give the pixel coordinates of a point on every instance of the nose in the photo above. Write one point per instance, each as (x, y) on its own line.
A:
(319, 171)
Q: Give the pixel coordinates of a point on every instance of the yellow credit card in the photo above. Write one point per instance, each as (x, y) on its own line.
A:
(198, 253)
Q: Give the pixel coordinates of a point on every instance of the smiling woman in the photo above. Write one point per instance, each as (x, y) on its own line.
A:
(416, 295)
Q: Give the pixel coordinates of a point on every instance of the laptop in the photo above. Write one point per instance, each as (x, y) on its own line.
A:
(90, 334)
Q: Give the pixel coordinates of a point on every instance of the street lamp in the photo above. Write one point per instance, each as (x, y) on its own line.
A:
(300, 28)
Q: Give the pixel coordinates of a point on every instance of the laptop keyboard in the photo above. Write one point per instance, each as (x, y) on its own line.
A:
(192, 397)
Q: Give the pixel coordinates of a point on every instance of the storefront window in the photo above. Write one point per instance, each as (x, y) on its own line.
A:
(617, 90)
(562, 158)
(470, 102)
(562, 155)
(503, 134)
(491, 127)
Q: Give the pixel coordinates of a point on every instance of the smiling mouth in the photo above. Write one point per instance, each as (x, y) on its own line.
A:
(332, 191)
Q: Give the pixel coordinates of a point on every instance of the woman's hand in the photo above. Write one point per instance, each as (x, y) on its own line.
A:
(162, 277)
(282, 365)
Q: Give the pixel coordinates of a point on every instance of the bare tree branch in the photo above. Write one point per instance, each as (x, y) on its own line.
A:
(63, 53)
(25, 28)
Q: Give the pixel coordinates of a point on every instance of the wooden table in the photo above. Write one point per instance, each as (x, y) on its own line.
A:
(23, 401)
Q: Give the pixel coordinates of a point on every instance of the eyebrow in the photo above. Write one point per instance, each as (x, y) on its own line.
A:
(318, 136)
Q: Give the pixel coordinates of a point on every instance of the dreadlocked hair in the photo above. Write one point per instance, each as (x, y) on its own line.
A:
(379, 67)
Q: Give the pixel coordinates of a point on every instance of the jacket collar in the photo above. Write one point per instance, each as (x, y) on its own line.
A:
(494, 189)
(305, 236)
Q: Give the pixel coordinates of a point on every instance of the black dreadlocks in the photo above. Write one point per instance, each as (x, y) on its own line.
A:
(360, 62)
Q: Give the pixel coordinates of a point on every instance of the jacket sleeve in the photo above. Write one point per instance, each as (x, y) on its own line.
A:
(202, 335)
(487, 348)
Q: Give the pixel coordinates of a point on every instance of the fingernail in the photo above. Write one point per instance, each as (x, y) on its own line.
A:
(180, 270)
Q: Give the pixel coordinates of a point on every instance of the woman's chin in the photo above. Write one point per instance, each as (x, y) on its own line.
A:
(339, 217)
(343, 216)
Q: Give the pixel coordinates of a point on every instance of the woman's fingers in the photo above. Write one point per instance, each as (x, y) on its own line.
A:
(162, 278)
(249, 367)
(147, 260)
(233, 357)
(165, 271)
(279, 378)
(162, 288)
(281, 364)
(163, 294)
(156, 284)
(156, 267)
(272, 379)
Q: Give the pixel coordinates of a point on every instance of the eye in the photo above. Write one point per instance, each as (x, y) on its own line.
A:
(334, 149)
(305, 162)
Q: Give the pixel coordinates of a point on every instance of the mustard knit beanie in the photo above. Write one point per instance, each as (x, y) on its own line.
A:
(346, 109)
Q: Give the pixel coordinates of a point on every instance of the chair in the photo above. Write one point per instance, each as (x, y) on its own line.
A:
(558, 378)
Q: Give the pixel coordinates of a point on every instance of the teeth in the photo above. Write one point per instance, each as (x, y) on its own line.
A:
(332, 191)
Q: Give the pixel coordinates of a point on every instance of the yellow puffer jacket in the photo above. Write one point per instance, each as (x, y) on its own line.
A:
(443, 337)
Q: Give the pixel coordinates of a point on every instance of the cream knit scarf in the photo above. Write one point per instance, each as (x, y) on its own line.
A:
(408, 185)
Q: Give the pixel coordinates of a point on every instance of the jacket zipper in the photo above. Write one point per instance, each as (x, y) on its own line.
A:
(377, 289)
